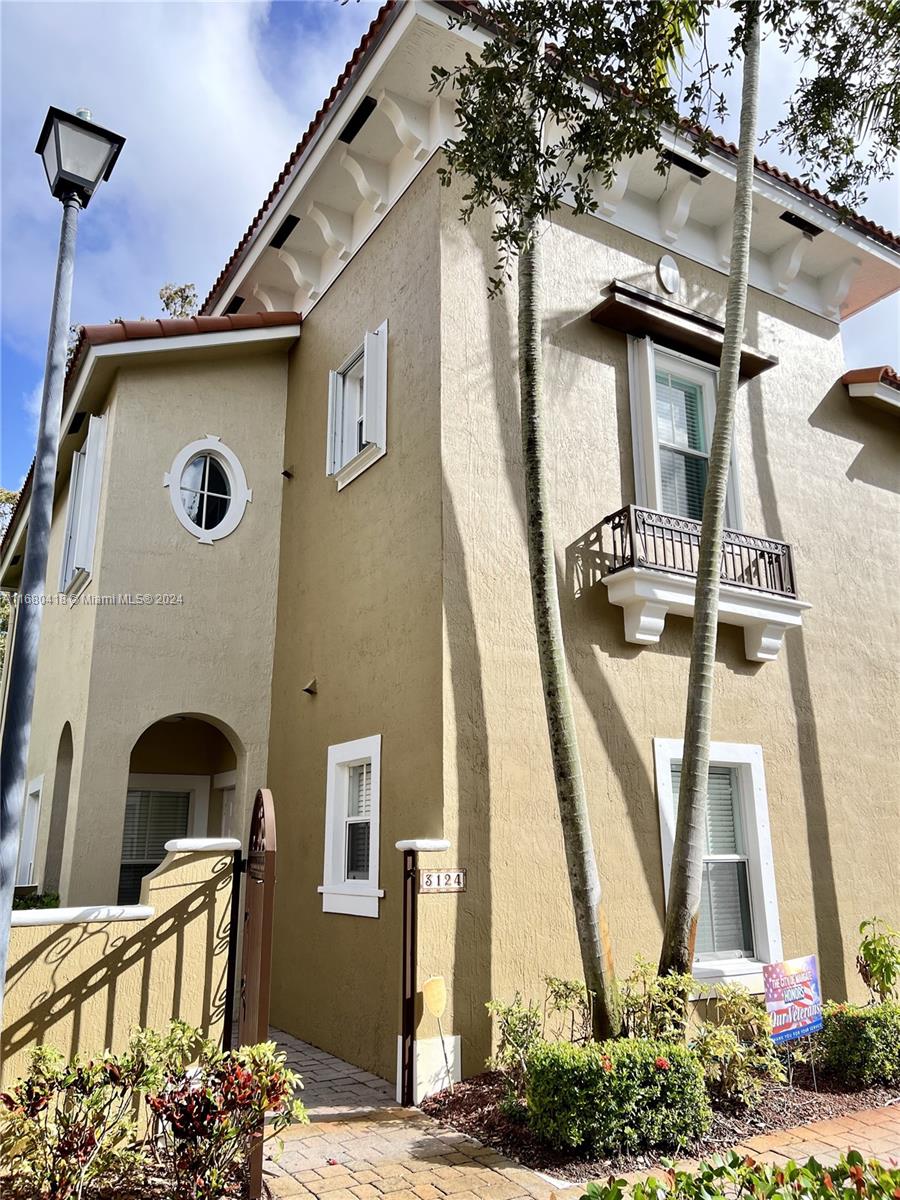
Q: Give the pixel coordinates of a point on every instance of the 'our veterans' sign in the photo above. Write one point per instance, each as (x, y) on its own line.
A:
(793, 998)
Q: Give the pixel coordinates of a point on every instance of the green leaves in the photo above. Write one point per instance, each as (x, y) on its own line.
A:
(878, 961)
(862, 1045)
(563, 92)
(731, 1175)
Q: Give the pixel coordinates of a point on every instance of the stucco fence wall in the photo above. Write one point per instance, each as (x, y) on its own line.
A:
(81, 980)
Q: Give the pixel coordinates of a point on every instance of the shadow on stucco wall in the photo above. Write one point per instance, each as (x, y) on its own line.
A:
(829, 936)
(472, 948)
(81, 987)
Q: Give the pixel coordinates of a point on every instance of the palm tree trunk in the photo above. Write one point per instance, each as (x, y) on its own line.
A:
(593, 935)
(690, 830)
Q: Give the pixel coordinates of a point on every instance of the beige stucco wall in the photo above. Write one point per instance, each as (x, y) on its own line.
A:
(815, 470)
(359, 610)
(114, 670)
(81, 987)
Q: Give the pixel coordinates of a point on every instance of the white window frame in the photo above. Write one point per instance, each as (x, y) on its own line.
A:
(226, 783)
(373, 352)
(642, 361)
(753, 804)
(86, 476)
(31, 819)
(353, 897)
(241, 495)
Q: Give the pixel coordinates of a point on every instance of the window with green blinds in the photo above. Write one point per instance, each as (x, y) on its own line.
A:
(683, 444)
(725, 927)
(151, 819)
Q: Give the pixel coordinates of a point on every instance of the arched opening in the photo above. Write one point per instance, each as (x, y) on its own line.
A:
(59, 811)
(182, 779)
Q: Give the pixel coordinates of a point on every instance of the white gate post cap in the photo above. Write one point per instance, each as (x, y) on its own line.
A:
(424, 845)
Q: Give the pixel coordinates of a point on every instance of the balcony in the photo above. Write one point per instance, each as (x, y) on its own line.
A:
(648, 563)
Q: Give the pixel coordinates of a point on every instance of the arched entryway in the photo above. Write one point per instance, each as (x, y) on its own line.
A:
(59, 812)
(182, 781)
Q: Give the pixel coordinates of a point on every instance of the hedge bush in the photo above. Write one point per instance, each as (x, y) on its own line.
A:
(618, 1095)
(725, 1178)
(862, 1045)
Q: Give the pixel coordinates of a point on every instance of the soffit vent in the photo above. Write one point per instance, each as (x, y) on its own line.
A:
(798, 223)
(364, 110)
(685, 164)
(77, 422)
(284, 231)
(234, 305)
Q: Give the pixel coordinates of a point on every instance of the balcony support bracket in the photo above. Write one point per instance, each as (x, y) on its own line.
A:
(648, 595)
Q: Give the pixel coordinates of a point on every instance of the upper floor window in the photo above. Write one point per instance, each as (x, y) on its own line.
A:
(738, 926)
(351, 828)
(208, 489)
(673, 403)
(84, 506)
(357, 409)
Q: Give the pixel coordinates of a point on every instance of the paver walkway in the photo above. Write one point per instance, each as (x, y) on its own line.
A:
(359, 1145)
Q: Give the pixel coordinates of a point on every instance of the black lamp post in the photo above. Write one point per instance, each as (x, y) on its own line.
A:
(77, 156)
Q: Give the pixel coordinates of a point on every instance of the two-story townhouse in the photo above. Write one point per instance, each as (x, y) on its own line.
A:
(389, 688)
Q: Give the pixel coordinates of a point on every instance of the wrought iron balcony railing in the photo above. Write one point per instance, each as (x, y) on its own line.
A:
(639, 537)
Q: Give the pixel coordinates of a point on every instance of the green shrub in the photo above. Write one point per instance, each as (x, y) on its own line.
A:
(656, 1006)
(618, 1095)
(735, 1047)
(36, 900)
(862, 1045)
(732, 1176)
(520, 1029)
(878, 961)
(569, 1002)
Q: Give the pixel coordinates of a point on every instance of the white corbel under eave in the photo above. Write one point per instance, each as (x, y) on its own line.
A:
(648, 596)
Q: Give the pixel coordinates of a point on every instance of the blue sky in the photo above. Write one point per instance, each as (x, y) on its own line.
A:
(212, 97)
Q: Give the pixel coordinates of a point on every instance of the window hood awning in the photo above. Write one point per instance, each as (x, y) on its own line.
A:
(630, 309)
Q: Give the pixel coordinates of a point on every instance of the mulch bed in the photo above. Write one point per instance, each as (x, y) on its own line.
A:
(473, 1107)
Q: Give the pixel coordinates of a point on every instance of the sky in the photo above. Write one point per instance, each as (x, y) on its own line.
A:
(212, 96)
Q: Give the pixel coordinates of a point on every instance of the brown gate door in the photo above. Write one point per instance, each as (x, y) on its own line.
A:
(259, 899)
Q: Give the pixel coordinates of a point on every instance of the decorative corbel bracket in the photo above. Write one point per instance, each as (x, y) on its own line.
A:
(675, 206)
(370, 177)
(272, 299)
(336, 228)
(835, 286)
(785, 262)
(306, 272)
(724, 234)
(409, 120)
(609, 199)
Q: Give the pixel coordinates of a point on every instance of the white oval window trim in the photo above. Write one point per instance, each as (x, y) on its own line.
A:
(241, 495)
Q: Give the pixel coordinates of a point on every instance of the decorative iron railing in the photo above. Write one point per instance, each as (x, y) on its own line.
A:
(639, 537)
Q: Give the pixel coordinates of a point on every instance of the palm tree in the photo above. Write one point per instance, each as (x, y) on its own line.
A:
(690, 831)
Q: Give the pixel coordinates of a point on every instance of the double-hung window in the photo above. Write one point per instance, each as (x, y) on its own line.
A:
(738, 927)
(673, 401)
(84, 506)
(352, 815)
(357, 409)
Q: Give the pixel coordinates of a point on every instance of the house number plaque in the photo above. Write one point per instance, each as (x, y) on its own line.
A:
(449, 879)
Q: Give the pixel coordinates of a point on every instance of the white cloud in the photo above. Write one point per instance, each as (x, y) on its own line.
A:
(208, 124)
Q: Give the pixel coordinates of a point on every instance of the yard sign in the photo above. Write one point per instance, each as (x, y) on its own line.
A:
(793, 998)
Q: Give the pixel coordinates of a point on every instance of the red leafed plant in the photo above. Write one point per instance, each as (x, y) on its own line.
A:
(68, 1131)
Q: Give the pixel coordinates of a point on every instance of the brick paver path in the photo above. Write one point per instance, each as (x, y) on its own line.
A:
(359, 1145)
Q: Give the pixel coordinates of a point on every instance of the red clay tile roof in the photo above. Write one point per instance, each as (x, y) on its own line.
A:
(477, 13)
(128, 331)
(885, 375)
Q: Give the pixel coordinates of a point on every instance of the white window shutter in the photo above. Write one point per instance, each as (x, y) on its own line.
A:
(334, 421)
(68, 554)
(90, 494)
(375, 387)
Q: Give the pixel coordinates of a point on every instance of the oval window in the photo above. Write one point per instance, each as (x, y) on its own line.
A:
(205, 491)
(208, 489)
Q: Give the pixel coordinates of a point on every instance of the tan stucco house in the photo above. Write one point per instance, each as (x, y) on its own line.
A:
(289, 550)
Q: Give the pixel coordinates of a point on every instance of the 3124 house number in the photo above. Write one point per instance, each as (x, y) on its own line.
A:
(451, 879)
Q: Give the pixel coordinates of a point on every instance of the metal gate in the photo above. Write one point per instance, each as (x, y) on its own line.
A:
(256, 959)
